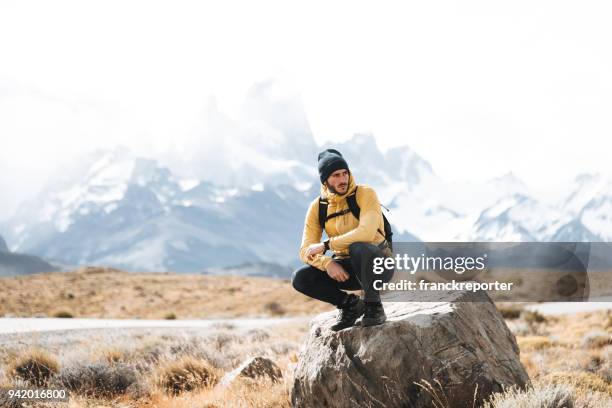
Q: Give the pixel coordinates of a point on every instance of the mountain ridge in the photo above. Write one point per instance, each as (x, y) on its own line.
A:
(237, 191)
(130, 212)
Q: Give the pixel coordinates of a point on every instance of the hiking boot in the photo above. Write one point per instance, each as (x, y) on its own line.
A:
(374, 314)
(350, 311)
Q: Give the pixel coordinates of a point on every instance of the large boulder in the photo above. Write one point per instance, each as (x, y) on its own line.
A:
(450, 346)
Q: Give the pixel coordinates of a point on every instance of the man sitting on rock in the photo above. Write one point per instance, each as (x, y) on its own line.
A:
(355, 239)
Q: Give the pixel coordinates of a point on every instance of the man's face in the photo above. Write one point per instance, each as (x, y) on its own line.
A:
(338, 181)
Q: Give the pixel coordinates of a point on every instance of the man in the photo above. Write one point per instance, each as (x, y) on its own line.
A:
(354, 242)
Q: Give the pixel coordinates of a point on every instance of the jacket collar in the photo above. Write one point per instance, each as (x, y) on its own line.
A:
(333, 197)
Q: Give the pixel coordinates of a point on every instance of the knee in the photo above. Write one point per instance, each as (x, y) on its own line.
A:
(299, 278)
(358, 248)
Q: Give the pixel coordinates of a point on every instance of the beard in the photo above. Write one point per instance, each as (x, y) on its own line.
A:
(341, 186)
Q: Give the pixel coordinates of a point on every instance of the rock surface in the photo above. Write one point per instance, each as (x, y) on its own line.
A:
(455, 341)
(254, 367)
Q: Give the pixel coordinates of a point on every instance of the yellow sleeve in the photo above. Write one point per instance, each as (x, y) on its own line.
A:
(312, 235)
(369, 220)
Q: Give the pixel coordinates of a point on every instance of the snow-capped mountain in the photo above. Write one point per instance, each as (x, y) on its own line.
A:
(586, 187)
(574, 231)
(518, 218)
(583, 215)
(237, 192)
(590, 202)
(436, 210)
(132, 213)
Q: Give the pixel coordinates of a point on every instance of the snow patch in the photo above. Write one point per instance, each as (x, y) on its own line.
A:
(188, 184)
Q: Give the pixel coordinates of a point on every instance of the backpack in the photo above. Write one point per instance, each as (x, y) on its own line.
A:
(353, 208)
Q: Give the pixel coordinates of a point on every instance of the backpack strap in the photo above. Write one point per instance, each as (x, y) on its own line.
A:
(351, 200)
(352, 204)
(322, 212)
(354, 209)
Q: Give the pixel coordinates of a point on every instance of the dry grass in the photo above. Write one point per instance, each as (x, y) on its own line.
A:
(597, 339)
(509, 311)
(532, 343)
(560, 390)
(608, 324)
(564, 373)
(111, 293)
(181, 369)
(569, 358)
(566, 356)
(544, 396)
(532, 317)
(186, 374)
(582, 381)
(99, 380)
(244, 393)
(34, 366)
(109, 355)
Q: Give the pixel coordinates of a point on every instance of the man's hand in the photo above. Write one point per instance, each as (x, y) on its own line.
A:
(315, 249)
(337, 272)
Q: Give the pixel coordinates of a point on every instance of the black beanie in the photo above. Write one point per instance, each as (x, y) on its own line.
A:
(330, 160)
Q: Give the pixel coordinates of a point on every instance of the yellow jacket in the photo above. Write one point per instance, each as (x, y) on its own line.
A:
(344, 229)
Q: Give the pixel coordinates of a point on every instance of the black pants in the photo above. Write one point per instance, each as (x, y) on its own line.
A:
(359, 265)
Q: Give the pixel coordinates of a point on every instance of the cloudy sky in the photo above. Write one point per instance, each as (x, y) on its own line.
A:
(478, 88)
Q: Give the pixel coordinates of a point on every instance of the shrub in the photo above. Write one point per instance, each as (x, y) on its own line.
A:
(275, 308)
(222, 340)
(510, 312)
(63, 314)
(548, 396)
(533, 316)
(111, 355)
(35, 366)
(257, 335)
(98, 379)
(186, 374)
(596, 339)
(170, 316)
